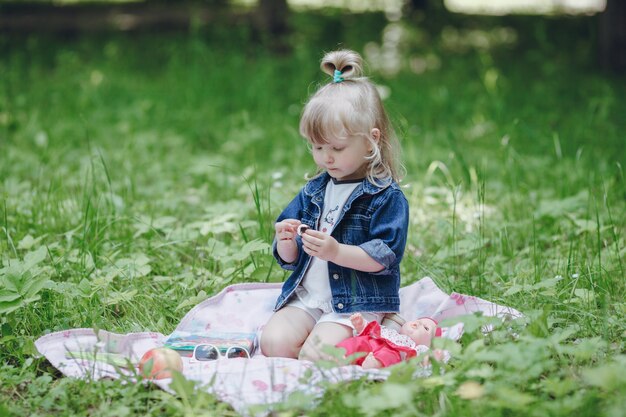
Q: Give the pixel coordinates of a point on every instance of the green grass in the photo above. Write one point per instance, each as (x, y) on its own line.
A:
(135, 172)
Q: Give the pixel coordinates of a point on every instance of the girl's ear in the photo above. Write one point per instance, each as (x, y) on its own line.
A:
(375, 134)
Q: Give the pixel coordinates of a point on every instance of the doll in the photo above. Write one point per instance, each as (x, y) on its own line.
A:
(385, 346)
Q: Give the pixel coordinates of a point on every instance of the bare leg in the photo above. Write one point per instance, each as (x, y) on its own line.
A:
(285, 332)
(323, 334)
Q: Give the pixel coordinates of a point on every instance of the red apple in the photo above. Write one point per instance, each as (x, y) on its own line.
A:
(158, 363)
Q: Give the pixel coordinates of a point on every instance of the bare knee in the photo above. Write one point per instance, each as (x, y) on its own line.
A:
(285, 333)
(275, 344)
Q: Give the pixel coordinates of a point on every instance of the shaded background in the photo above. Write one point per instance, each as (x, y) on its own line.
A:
(273, 19)
(498, 53)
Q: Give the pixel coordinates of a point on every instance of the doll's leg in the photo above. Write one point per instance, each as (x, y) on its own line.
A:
(285, 332)
(370, 362)
(356, 344)
(386, 355)
(323, 334)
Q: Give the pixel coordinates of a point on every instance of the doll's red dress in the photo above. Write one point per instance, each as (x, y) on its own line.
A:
(370, 340)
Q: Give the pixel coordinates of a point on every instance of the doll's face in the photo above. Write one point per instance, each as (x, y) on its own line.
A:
(421, 331)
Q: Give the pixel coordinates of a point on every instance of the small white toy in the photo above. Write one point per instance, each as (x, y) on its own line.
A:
(301, 229)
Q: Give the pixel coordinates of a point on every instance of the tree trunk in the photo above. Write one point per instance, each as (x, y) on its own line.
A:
(273, 23)
(612, 36)
(273, 15)
(27, 16)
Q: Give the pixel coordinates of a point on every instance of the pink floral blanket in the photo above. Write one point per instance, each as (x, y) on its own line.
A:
(252, 386)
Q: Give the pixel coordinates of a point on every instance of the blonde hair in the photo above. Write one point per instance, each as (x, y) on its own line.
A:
(352, 107)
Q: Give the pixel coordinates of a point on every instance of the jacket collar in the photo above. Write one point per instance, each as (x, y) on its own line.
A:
(318, 185)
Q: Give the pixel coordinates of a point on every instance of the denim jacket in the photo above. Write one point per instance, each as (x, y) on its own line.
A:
(373, 218)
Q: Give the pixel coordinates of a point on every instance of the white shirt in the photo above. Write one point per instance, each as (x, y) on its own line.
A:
(314, 290)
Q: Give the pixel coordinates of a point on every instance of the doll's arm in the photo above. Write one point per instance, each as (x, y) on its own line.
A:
(437, 354)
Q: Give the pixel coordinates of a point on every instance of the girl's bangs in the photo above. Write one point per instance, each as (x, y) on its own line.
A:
(323, 121)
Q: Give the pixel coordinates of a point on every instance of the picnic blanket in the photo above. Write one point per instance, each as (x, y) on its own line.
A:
(252, 386)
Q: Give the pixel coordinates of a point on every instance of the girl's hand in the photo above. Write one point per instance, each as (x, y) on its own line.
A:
(320, 244)
(285, 240)
(326, 247)
(286, 229)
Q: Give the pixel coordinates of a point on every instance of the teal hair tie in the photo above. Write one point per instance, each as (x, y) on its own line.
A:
(337, 78)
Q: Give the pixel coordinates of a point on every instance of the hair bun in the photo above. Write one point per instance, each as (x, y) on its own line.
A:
(349, 63)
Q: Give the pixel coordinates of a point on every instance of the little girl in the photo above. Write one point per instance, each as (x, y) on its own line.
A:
(343, 235)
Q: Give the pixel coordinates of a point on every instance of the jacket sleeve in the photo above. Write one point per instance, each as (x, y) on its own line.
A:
(388, 229)
(292, 211)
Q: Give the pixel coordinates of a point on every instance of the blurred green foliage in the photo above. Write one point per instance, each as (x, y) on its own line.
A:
(141, 172)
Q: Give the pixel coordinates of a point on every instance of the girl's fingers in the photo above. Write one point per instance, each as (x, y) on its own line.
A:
(311, 239)
(287, 224)
(287, 228)
(314, 233)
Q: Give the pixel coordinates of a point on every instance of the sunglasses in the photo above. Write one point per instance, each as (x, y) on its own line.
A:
(213, 353)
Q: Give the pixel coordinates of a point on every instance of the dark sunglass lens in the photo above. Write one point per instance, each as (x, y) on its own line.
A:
(237, 352)
(207, 353)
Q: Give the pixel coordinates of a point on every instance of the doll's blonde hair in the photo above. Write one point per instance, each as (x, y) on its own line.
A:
(352, 107)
